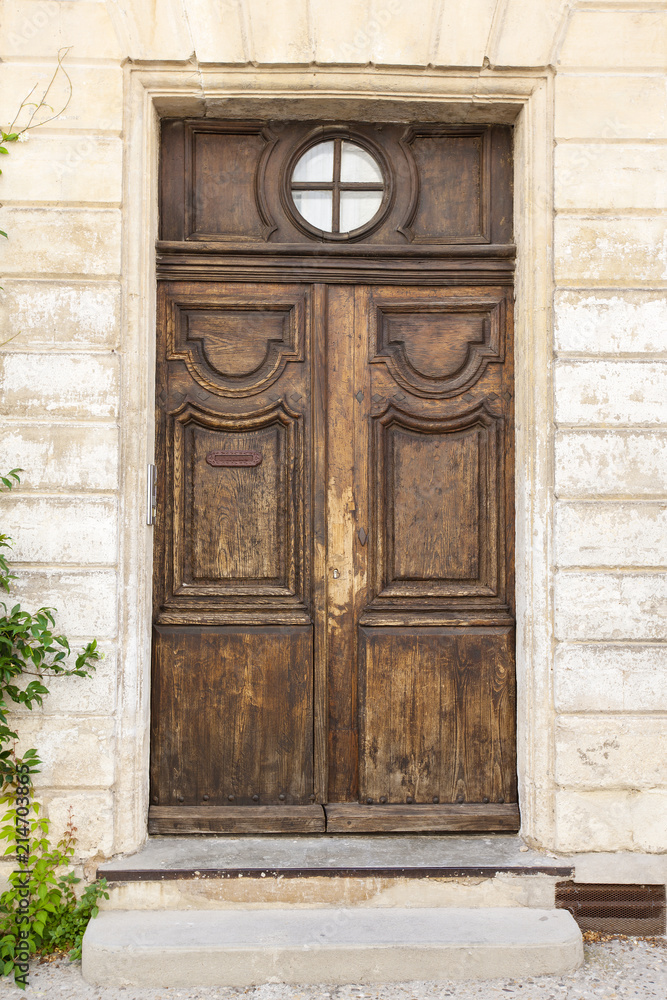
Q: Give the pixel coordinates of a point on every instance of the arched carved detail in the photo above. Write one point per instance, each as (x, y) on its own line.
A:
(406, 337)
(236, 342)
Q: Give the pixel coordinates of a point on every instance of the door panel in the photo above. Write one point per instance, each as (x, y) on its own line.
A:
(437, 715)
(233, 716)
(234, 526)
(436, 505)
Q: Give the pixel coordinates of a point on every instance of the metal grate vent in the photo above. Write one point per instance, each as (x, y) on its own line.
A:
(614, 909)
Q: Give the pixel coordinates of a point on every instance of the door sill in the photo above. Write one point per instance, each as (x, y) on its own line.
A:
(177, 820)
(350, 817)
(343, 817)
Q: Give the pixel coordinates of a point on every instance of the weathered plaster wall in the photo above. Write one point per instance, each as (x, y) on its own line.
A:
(66, 204)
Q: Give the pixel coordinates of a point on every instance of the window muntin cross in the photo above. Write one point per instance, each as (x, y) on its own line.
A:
(337, 186)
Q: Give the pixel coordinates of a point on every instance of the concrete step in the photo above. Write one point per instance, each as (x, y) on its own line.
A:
(200, 873)
(337, 946)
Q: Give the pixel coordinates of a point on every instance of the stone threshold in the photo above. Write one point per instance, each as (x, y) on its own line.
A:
(356, 856)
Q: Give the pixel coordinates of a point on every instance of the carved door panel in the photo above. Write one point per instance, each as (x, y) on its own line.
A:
(333, 602)
(333, 589)
(420, 583)
(233, 636)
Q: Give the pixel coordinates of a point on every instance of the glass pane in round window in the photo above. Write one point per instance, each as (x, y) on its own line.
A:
(315, 207)
(316, 164)
(337, 186)
(358, 207)
(358, 165)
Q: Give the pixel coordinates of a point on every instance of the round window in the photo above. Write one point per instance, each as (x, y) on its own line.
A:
(337, 186)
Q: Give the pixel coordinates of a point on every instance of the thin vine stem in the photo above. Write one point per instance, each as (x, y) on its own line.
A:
(62, 53)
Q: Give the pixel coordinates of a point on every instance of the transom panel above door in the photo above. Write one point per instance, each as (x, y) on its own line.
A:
(333, 583)
(247, 182)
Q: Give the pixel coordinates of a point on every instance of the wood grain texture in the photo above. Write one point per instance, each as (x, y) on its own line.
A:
(224, 166)
(437, 709)
(232, 715)
(340, 576)
(453, 189)
(237, 517)
(435, 507)
(435, 490)
(235, 819)
(351, 818)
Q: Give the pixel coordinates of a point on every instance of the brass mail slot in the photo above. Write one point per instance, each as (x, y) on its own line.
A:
(233, 458)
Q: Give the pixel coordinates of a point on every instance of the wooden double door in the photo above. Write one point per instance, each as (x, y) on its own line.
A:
(333, 599)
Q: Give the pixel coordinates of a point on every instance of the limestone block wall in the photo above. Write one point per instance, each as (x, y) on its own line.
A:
(68, 293)
(610, 410)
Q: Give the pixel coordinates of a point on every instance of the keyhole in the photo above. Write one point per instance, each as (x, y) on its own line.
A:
(336, 574)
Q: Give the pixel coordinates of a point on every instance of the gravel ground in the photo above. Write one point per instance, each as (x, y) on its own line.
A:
(625, 969)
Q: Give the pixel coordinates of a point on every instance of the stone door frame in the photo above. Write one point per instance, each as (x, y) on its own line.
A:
(526, 100)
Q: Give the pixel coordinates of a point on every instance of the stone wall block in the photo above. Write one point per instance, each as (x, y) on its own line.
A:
(621, 866)
(41, 27)
(279, 31)
(60, 385)
(593, 177)
(57, 169)
(392, 44)
(217, 31)
(610, 323)
(77, 315)
(77, 241)
(528, 33)
(610, 678)
(611, 820)
(611, 392)
(85, 600)
(612, 606)
(75, 751)
(597, 752)
(608, 250)
(96, 104)
(61, 456)
(610, 107)
(616, 40)
(611, 534)
(343, 32)
(152, 29)
(463, 32)
(62, 529)
(600, 463)
(93, 815)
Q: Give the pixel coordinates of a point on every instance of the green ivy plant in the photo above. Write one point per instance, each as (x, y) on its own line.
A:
(40, 910)
(52, 919)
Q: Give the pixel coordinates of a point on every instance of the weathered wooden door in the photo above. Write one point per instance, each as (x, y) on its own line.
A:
(333, 584)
